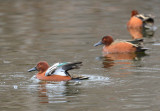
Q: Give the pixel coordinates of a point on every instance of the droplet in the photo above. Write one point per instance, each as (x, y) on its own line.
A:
(15, 87)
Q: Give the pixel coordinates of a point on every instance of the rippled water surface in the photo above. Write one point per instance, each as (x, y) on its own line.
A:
(65, 30)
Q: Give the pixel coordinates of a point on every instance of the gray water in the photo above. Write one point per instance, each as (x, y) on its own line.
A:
(65, 30)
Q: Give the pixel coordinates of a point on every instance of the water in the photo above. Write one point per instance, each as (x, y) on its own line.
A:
(62, 31)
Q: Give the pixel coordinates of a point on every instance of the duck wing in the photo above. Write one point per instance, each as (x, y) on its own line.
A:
(135, 42)
(138, 43)
(146, 17)
(62, 68)
(148, 20)
(51, 69)
(70, 66)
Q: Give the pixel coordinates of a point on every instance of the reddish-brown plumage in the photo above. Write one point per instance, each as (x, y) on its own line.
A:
(138, 22)
(119, 47)
(122, 46)
(136, 33)
(41, 76)
(42, 68)
(134, 21)
(134, 12)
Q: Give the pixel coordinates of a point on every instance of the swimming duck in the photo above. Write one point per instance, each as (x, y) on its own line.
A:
(121, 46)
(57, 72)
(140, 20)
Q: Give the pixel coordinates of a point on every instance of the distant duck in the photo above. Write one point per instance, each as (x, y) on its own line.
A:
(140, 20)
(121, 46)
(57, 72)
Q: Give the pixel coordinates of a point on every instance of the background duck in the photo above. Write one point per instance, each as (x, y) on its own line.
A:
(121, 46)
(140, 20)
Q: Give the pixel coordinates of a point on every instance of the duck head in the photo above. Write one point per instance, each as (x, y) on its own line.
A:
(134, 12)
(106, 40)
(40, 67)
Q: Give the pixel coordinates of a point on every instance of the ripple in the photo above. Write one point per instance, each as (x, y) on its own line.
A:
(133, 106)
(156, 44)
(77, 82)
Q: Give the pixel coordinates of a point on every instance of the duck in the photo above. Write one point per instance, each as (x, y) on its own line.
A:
(140, 20)
(57, 72)
(120, 46)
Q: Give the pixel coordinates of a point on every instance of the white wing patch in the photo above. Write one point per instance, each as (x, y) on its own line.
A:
(60, 71)
(144, 17)
(51, 69)
(55, 69)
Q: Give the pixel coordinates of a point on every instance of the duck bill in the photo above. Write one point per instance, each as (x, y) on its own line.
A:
(32, 69)
(98, 43)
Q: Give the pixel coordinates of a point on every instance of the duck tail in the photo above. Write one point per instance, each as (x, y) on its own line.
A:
(140, 49)
(136, 41)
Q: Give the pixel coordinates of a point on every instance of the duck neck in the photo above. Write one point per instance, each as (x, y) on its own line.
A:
(105, 49)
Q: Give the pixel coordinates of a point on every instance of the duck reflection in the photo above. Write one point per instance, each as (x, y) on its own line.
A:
(57, 92)
(148, 32)
(138, 33)
(110, 60)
